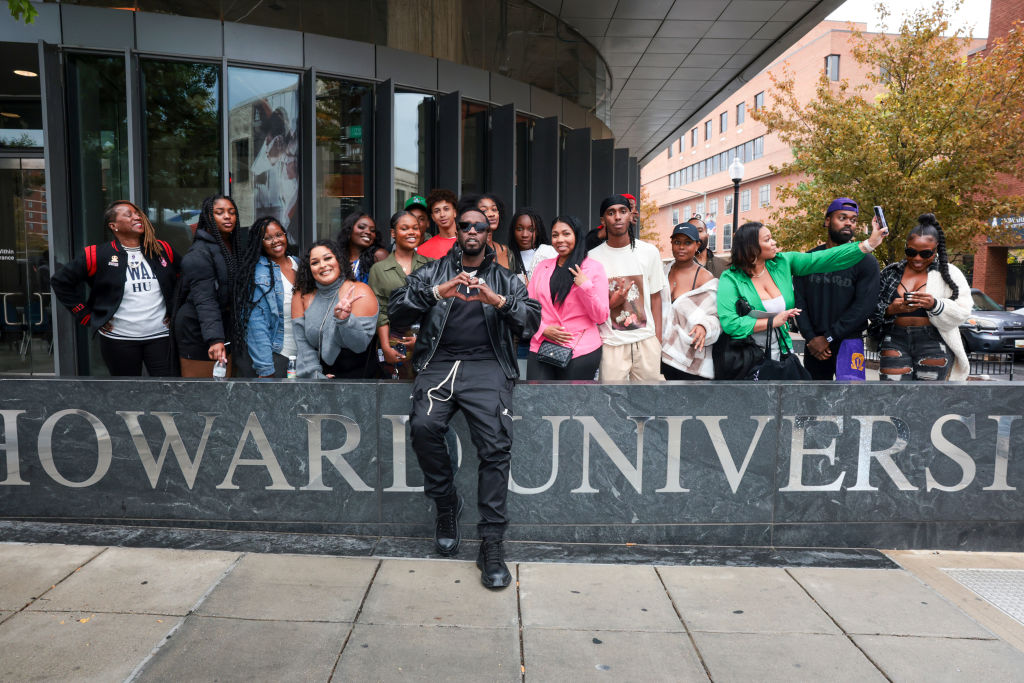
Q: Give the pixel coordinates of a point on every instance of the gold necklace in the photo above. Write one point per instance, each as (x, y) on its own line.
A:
(763, 271)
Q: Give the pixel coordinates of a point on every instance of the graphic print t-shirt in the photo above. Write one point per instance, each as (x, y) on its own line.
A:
(633, 274)
(142, 311)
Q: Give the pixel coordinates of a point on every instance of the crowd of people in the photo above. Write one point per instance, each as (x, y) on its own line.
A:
(241, 303)
(457, 312)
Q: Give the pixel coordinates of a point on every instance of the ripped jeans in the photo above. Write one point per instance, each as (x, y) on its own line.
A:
(914, 354)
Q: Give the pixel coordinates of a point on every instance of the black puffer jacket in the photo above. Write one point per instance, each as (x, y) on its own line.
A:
(104, 267)
(415, 302)
(204, 302)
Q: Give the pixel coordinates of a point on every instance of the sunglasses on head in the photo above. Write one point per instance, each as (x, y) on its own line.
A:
(465, 226)
(924, 253)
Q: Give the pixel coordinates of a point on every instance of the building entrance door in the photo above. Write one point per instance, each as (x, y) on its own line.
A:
(26, 338)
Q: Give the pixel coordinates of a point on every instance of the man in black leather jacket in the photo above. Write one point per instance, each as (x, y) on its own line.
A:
(470, 311)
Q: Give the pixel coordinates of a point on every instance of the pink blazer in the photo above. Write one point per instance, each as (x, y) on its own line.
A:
(582, 311)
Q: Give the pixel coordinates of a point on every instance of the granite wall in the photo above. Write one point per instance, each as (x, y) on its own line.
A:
(788, 465)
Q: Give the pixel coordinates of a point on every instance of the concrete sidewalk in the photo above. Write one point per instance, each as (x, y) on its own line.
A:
(112, 613)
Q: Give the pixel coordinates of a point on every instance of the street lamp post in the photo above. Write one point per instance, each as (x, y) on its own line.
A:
(736, 173)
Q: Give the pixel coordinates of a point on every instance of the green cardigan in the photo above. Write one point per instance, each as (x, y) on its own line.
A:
(734, 283)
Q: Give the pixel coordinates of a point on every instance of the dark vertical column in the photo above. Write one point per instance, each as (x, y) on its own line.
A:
(621, 177)
(308, 186)
(577, 174)
(449, 141)
(367, 112)
(502, 161)
(58, 200)
(383, 159)
(634, 178)
(136, 139)
(602, 172)
(544, 158)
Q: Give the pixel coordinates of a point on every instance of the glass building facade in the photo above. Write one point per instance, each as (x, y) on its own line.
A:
(306, 114)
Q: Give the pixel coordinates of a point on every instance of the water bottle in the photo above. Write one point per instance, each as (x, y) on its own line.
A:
(220, 370)
(291, 367)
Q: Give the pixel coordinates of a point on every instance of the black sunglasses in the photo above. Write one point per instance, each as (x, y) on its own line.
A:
(924, 253)
(465, 226)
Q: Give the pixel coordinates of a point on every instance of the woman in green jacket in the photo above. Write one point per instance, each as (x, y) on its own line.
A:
(763, 275)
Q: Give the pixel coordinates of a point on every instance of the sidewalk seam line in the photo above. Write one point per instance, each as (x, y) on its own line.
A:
(355, 620)
(838, 626)
(53, 587)
(140, 667)
(679, 615)
(519, 616)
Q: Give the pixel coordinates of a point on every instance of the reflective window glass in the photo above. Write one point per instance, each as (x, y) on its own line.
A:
(414, 145)
(344, 124)
(263, 146)
(181, 128)
(524, 151)
(474, 147)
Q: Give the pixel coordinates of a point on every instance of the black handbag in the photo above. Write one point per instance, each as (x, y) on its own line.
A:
(737, 358)
(554, 354)
(788, 367)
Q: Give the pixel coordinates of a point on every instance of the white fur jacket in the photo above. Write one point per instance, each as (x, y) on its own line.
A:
(697, 307)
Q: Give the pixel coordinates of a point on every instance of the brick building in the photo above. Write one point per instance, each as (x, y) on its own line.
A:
(992, 274)
(691, 175)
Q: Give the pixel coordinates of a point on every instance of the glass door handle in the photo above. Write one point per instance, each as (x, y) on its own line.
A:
(7, 321)
(42, 305)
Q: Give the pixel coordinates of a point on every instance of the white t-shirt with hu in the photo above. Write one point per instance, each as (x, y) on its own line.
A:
(142, 311)
(633, 274)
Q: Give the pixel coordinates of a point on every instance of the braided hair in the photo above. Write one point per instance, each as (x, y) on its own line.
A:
(540, 234)
(365, 259)
(208, 225)
(928, 226)
(150, 245)
(247, 258)
(305, 283)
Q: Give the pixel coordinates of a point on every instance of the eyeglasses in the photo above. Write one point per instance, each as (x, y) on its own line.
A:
(270, 239)
(924, 253)
(466, 226)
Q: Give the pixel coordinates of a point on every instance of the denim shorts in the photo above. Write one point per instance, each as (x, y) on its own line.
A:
(915, 344)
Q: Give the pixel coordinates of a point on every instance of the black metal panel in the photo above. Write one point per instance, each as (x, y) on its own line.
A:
(576, 174)
(307, 160)
(503, 160)
(449, 141)
(602, 172)
(383, 152)
(634, 178)
(136, 142)
(544, 158)
(621, 177)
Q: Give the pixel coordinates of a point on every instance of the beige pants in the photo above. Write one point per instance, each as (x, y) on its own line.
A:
(639, 362)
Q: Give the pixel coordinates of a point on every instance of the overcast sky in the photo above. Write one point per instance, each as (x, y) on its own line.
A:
(973, 13)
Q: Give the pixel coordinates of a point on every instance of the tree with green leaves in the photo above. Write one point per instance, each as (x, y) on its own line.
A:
(933, 130)
(23, 9)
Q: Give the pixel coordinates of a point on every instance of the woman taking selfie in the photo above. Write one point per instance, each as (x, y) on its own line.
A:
(131, 291)
(922, 301)
(762, 275)
(333, 315)
(573, 293)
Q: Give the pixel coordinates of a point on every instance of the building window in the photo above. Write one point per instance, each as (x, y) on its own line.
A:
(723, 121)
(745, 200)
(728, 205)
(413, 137)
(764, 195)
(700, 209)
(741, 113)
(682, 140)
(344, 118)
(693, 138)
(669, 150)
(712, 208)
(675, 217)
(759, 100)
(263, 109)
(475, 147)
(832, 67)
(707, 131)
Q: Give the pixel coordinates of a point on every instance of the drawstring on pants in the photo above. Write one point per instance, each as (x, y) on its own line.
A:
(451, 392)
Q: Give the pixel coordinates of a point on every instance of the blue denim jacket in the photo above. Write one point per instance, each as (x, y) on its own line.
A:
(268, 317)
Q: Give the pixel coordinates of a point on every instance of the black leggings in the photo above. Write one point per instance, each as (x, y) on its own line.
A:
(125, 357)
(579, 368)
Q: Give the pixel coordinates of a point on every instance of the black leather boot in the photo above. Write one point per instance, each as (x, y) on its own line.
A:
(446, 529)
(491, 561)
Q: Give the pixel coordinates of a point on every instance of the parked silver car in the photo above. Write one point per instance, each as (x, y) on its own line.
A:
(991, 327)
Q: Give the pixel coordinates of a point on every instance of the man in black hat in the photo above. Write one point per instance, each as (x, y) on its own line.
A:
(835, 305)
(632, 333)
(471, 312)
